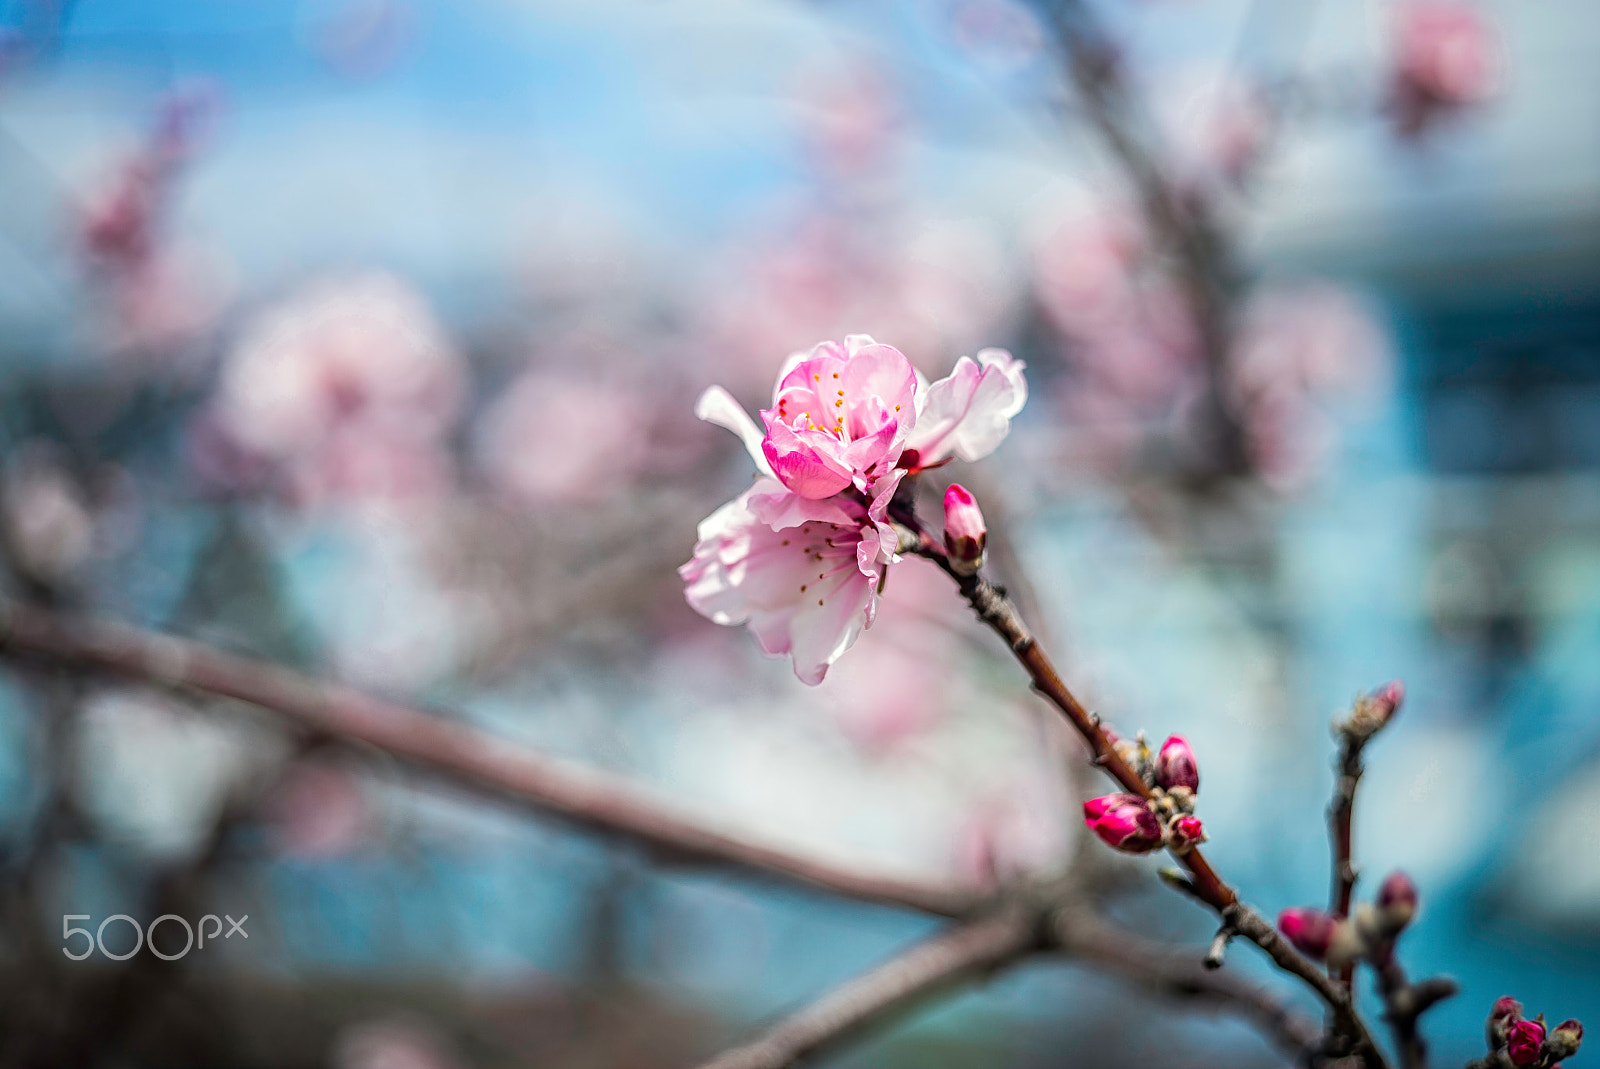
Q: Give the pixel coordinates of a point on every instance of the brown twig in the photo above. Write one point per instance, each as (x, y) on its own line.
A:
(1404, 1002)
(993, 607)
(1340, 811)
(451, 751)
(967, 950)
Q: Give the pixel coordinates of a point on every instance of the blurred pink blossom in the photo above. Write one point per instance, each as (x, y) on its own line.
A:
(1003, 34)
(159, 295)
(318, 809)
(1446, 57)
(347, 389)
(1217, 127)
(934, 286)
(852, 119)
(899, 685)
(1300, 351)
(557, 439)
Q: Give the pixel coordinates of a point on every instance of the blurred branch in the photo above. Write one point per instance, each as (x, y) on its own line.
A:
(1404, 1002)
(452, 751)
(968, 950)
(1178, 975)
(1184, 224)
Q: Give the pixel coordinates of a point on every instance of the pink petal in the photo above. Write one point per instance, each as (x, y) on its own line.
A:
(968, 413)
(717, 406)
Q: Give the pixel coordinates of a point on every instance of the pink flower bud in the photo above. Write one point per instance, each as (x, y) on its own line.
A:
(1125, 822)
(1310, 930)
(1506, 1009)
(1175, 765)
(964, 530)
(1564, 1039)
(1373, 711)
(1397, 902)
(1185, 834)
(1523, 1040)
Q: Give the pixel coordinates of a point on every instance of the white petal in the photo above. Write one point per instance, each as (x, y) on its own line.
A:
(717, 406)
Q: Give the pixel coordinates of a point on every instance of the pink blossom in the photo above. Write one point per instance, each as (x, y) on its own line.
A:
(964, 530)
(967, 413)
(1311, 930)
(849, 414)
(1185, 833)
(840, 416)
(1397, 901)
(1523, 1040)
(801, 573)
(1446, 58)
(1125, 822)
(1176, 766)
(348, 388)
(544, 442)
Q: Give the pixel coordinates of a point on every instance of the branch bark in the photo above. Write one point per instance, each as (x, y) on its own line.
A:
(1340, 813)
(992, 606)
(437, 747)
(1176, 974)
(969, 950)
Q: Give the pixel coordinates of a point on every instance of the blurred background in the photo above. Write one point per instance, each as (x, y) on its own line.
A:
(363, 336)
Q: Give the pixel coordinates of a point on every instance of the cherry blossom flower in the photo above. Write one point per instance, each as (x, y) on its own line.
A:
(968, 413)
(840, 416)
(801, 573)
(846, 424)
(848, 414)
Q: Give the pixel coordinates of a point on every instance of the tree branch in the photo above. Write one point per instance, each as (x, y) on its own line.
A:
(1340, 812)
(1404, 1002)
(993, 607)
(968, 950)
(1176, 974)
(451, 751)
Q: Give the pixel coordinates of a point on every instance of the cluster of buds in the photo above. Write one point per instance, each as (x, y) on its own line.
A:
(1371, 713)
(1137, 825)
(1368, 933)
(964, 530)
(1525, 1042)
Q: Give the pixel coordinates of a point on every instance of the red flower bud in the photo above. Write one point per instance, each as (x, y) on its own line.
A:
(1310, 930)
(1564, 1039)
(1125, 822)
(1523, 1040)
(1175, 765)
(1506, 1009)
(1185, 833)
(964, 530)
(1397, 902)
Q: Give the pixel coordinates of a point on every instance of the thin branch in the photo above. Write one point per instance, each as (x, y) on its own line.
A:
(1175, 974)
(451, 751)
(966, 951)
(993, 607)
(1205, 268)
(1404, 1002)
(1340, 812)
